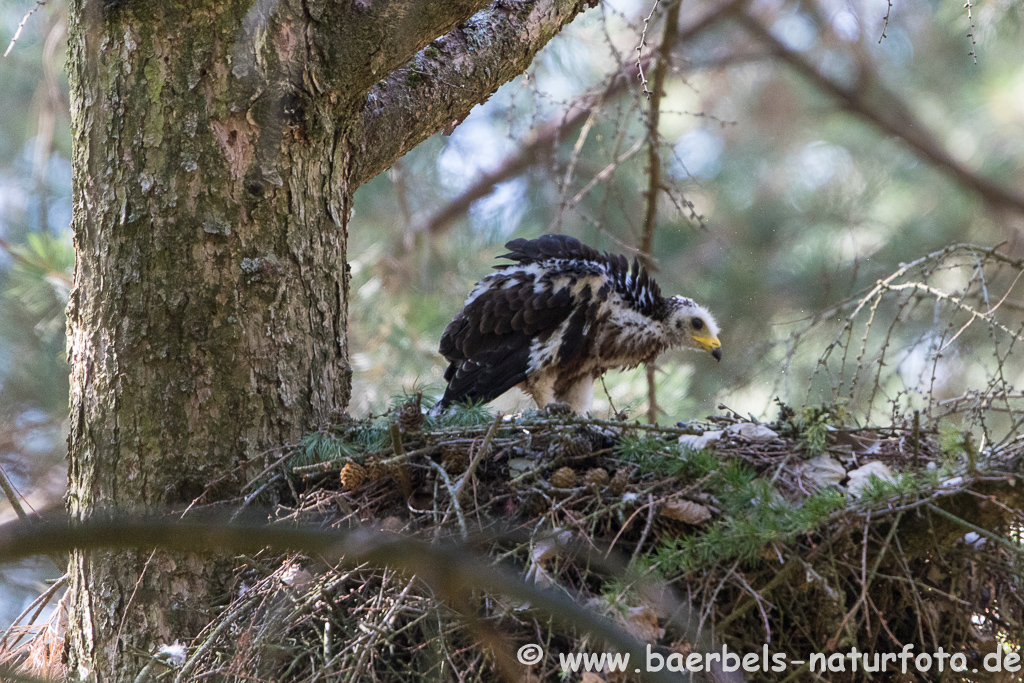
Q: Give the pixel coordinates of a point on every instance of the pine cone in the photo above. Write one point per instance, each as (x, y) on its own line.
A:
(564, 478)
(579, 446)
(570, 446)
(618, 483)
(596, 477)
(535, 505)
(376, 471)
(352, 476)
(454, 459)
(410, 417)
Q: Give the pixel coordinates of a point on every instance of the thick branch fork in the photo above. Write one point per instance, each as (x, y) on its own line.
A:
(439, 87)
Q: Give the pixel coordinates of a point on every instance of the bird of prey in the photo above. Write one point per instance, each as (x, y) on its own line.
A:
(559, 317)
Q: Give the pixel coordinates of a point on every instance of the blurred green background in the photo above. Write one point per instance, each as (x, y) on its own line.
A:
(778, 206)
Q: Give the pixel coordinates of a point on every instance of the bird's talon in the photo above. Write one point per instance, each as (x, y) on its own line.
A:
(556, 408)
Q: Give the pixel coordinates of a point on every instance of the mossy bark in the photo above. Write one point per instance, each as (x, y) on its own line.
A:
(207, 323)
(216, 149)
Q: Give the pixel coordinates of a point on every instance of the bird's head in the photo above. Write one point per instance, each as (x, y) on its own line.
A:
(690, 325)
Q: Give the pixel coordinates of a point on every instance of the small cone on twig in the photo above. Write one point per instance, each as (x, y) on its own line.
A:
(410, 415)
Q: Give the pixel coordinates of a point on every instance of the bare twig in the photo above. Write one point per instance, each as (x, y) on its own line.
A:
(995, 538)
(969, 6)
(625, 525)
(454, 495)
(861, 602)
(21, 25)
(647, 528)
(654, 184)
(539, 144)
(605, 172)
(485, 449)
(396, 440)
(11, 495)
(885, 23)
(544, 138)
(34, 608)
(642, 45)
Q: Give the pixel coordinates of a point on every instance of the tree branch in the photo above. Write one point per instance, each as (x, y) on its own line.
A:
(439, 87)
(542, 139)
(890, 115)
(539, 144)
(362, 41)
(450, 570)
(654, 185)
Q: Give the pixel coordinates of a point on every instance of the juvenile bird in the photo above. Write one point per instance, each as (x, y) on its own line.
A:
(559, 317)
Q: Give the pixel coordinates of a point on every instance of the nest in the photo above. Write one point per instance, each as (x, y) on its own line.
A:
(769, 539)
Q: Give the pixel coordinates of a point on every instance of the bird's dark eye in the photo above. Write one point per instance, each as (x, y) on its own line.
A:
(696, 323)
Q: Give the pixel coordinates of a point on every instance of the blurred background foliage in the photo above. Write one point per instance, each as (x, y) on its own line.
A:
(36, 261)
(780, 201)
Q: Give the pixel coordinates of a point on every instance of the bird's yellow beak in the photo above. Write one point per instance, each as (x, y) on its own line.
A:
(711, 345)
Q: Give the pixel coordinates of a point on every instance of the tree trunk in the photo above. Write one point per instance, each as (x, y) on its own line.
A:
(216, 149)
(207, 323)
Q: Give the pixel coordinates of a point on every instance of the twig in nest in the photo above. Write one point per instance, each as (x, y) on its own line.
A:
(484, 449)
(711, 601)
(861, 602)
(996, 538)
(266, 470)
(650, 503)
(758, 598)
(453, 493)
(252, 496)
(36, 607)
(233, 617)
(647, 528)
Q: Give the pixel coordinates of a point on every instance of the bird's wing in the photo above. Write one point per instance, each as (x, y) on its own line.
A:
(508, 316)
(633, 283)
(550, 247)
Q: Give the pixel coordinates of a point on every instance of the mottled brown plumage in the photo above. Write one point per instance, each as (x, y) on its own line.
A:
(559, 317)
